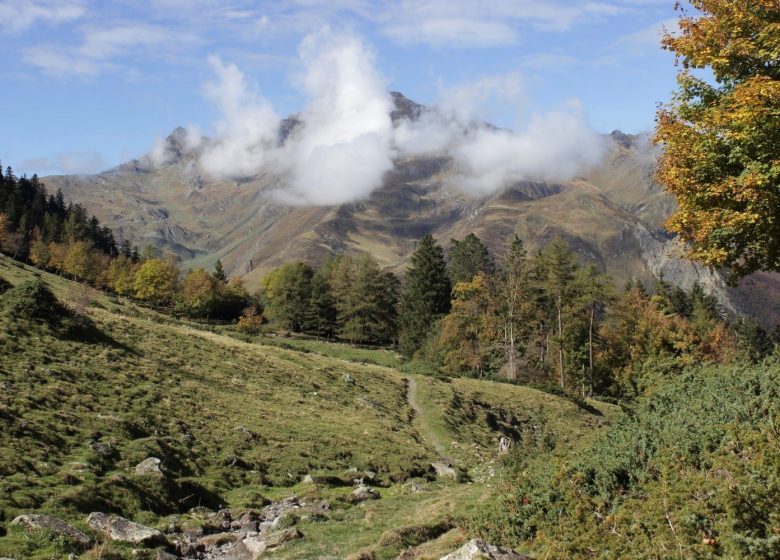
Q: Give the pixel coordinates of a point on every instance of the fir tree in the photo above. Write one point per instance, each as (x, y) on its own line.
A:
(426, 295)
(467, 258)
(219, 272)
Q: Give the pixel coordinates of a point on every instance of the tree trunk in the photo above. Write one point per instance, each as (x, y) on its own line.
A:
(560, 344)
(590, 350)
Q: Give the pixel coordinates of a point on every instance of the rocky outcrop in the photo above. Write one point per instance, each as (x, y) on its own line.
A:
(121, 529)
(49, 523)
(476, 549)
(150, 465)
(444, 470)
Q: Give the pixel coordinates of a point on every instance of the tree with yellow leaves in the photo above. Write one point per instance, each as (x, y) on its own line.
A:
(722, 137)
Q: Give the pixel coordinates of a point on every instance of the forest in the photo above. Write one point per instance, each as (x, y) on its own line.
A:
(548, 319)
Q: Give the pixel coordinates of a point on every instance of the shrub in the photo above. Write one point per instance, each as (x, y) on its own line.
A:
(33, 300)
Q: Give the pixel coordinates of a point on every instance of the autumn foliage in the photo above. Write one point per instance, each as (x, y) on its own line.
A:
(722, 136)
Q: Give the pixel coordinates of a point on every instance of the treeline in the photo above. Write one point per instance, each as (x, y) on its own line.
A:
(30, 218)
(41, 229)
(541, 318)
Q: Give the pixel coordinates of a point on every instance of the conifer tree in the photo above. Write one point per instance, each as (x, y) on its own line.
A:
(467, 258)
(219, 272)
(426, 295)
(557, 268)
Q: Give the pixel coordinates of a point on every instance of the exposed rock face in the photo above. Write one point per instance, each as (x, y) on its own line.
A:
(121, 529)
(476, 549)
(150, 465)
(49, 523)
(612, 215)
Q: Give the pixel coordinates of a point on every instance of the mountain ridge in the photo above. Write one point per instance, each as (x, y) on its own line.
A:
(612, 214)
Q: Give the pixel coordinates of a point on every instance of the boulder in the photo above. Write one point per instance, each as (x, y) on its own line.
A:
(504, 445)
(150, 465)
(49, 523)
(363, 493)
(278, 538)
(121, 529)
(444, 470)
(272, 512)
(476, 549)
(162, 555)
(218, 539)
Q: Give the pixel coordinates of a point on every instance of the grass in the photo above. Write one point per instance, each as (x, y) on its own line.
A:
(238, 423)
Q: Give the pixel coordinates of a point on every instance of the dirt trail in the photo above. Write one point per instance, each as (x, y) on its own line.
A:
(421, 423)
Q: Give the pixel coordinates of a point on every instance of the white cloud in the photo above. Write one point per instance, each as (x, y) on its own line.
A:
(19, 15)
(452, 31)
(347, 141)
(247, 129)
(68, 163)
(344, 147)
(100, 47)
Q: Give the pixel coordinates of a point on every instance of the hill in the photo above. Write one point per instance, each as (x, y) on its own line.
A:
(243, 425)
(612, 214)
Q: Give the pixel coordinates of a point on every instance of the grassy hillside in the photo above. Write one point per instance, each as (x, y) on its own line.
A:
(239, 423)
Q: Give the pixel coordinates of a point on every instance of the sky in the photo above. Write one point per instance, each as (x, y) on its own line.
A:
(89, 84)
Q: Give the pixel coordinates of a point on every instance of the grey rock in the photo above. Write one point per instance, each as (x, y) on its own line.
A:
(162, 555)
(477, 549)
(49, 523)
(121, 529)
(444, 469)
(363, 493)
(504, 444)
(150, 465)
(276, 510)
(278, 538)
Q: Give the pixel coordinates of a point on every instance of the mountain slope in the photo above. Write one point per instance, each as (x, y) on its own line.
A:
(612, 214)
(236, 424)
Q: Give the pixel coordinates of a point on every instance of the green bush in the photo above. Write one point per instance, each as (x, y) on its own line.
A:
(33, 300)
(691, 471)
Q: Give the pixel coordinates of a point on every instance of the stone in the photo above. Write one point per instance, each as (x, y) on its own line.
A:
(217, 539)
(162, 555)
(348, 379)
(504, 444)
(150, 465)
(363, 493)
(121, 529)
(272, 512)
(444, 470)
(278, 538)
(49, 523)
(477, 549)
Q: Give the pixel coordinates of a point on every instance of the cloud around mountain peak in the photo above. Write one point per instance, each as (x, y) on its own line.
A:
(352, 129)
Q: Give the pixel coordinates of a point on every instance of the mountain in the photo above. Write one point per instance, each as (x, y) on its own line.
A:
(612, 214)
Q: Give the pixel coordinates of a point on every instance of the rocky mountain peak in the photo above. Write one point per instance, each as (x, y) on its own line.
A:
(405, 107)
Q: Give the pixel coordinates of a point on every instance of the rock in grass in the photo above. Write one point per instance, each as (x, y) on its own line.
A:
(121, 529)
(150, 465)
(278, 538)
(476, 549)
(49, 523)
(444, 470)
(363, 493)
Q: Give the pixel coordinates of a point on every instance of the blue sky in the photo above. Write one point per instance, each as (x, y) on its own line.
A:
(88, 84)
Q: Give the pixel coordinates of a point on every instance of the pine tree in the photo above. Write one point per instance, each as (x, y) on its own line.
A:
(426, 295)
(219, 272)
(467, 258)
(321, 310)
(518, 309)
(596, 292)
(557, 268)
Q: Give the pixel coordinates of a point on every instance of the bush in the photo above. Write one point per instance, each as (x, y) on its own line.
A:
(691, 468)
(33, 300)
